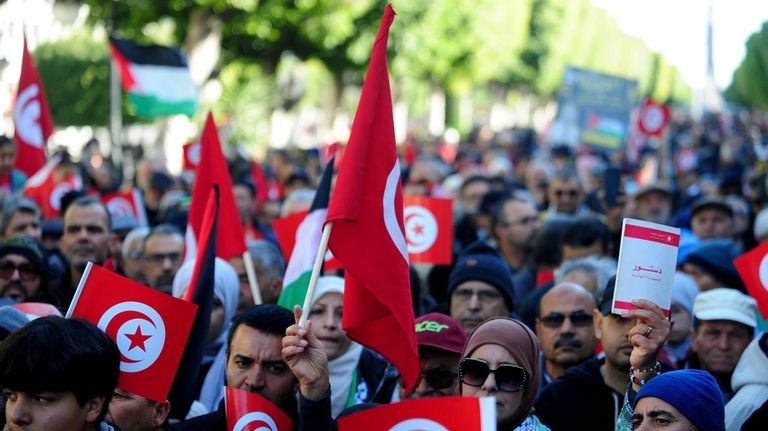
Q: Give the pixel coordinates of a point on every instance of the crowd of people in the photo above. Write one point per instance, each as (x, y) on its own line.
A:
(522, 314)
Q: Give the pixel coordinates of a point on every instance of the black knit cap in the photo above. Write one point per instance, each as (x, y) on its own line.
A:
(715, 257)
(481, 262)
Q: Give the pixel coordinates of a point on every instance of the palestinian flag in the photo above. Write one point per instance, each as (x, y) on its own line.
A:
(296, 280)
(155, 77)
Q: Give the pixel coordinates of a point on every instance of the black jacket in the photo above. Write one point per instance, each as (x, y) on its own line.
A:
(580, 400)
(312, 416)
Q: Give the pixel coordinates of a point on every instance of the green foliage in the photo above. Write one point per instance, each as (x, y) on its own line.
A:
(749, 86)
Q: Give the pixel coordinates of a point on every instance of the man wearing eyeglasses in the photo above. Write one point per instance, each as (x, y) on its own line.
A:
(23, 270)
(565, 330)
(440, 340)
(162, 256)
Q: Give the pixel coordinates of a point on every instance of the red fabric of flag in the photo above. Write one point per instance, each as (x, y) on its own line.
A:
(248, 411)
(367, 213)
(31, 118)
(429, 229)
(128, 203)
(753, 269)
(149, 327)
(230, 240)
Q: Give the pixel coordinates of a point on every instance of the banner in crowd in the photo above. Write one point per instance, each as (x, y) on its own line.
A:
(753, 269)
(248, 411)
(368, 236)
(31, 118)
(155, 77)
(428, 414)
(593, 109)
(149, 327)
(429, 229)
(128, 203)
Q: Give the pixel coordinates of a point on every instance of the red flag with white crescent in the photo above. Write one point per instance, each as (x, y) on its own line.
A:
(129, 203)
(46, 187)
(429, 229)
(149, 327)
(248, 411)
(31, 118)
(426, 414)
(753, 269)
(191, 156)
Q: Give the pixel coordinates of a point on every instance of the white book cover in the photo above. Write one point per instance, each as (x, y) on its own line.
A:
(647, 263)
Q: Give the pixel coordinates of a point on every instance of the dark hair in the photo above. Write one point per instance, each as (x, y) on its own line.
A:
(586, 231)
(247, 185)
(547, 244)
(6, 140)
(161, 230)
(267, 318)
(497, 214)
(472, 180)
(86, 201)
(60, 355)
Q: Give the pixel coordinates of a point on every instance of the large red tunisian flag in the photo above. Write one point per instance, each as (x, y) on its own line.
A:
(367, 214)
(230, 240)
(31, 118)
(149, 327)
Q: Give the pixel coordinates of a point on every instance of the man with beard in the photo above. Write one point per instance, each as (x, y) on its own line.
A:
(565, 330)
(595, 387)
(23, 270)
(162, 256)
(86, 238)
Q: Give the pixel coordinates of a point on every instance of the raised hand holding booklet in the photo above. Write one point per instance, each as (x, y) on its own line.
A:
(647, 261)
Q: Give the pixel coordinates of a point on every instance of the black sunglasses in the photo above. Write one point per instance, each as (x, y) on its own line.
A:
(571, 193)
(509, 378)
(27, 271)
(579, 319)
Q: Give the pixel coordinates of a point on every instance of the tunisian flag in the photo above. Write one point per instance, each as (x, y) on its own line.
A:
(443, 413)
(230, 240)
(367, 213)
(429, 229)
(249, 411)
(31, 118)
(149, 327)
(129, 203)
(753, 269)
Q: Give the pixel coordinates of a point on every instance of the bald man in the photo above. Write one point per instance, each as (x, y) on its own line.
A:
(565, 330)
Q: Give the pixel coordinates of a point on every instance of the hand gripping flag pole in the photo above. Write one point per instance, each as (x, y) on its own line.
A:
(315, 273)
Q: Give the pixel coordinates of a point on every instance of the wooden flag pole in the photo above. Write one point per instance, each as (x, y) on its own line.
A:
(253, 281)
(315, 273)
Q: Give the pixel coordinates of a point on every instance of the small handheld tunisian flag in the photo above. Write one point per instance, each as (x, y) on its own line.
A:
(149, 327)
(247, 411)
(429, 229)
(230, 240)
(126, 203)
(753, 269)
(31, 118)
(191, 155)
(367, 235)
(51, 183)
(444, 413)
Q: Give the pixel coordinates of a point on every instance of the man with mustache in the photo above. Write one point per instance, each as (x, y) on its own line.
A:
(565, 330)
(596, 387)
(162, 256)
(23, 270)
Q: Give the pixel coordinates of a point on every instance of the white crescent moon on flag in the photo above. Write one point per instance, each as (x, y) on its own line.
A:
(141, 319)
(390, 218)
(419, 424)
(252, 417)
(26, 116)
(763, 272)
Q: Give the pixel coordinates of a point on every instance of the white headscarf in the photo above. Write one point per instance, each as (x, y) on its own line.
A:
(226, 287)
(341, 369)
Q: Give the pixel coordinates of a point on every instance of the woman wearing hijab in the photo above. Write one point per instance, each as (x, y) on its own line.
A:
(357, 374)
(226, 288)
(501, 359)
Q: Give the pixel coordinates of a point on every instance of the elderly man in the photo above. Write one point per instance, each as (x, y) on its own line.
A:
(130, 254)
(162, 256)
(51, 383)
(20, 216)
(269, 356)
(131, 412)
(23, 270)
(269, 265)
(565, 330)
(723, 326)
(479, 286)
(440, 340)
(87, 237)
(712, 218)
(565, 196)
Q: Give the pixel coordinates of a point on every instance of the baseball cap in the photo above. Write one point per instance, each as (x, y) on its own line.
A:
(726, 304)
(653, 187)
(441, 332)
(707, 202)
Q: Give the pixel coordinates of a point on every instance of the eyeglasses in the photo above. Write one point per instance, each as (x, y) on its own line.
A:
(509, 378)
(27, 271)
(438, 378)
(572, 193)
(484, 296)
(524, 220)
(160, 257)
(579, 319)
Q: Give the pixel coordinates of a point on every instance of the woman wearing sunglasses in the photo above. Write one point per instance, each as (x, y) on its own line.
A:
(501, 359)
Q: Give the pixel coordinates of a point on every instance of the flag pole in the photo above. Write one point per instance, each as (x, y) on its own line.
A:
(253, 281)
(315, 273)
